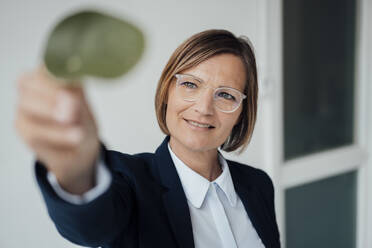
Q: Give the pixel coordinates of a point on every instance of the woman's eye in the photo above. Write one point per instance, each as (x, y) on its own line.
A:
(226, 96)
(189, 85)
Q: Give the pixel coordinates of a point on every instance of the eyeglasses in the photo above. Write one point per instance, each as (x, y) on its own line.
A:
(225, 99)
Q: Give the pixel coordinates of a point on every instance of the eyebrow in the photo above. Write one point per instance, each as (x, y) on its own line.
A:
(202, 81)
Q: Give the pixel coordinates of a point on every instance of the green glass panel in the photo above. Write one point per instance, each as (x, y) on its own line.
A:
(319, 48)
(322, 214)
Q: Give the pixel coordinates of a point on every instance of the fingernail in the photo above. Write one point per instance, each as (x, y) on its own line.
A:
(63, 109)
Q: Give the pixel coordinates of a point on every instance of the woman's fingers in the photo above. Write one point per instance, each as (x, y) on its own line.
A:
(63, 110)
(40, 99)
(55, 121)
(36, 132)
(39, 84)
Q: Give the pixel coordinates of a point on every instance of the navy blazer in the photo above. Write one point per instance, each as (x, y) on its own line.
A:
(145, 205)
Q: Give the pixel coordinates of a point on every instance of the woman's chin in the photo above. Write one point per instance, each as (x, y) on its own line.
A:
(198, 144)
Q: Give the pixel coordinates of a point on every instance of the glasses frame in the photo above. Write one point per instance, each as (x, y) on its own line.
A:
(178, 76)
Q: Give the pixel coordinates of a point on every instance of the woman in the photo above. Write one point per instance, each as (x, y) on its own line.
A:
(183, 195)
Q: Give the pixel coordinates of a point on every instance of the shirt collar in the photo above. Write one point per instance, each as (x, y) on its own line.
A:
(196, 187)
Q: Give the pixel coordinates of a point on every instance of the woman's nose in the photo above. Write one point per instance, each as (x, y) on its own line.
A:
(204, 103)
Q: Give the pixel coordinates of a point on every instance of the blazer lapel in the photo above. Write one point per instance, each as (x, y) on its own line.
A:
(254, 205)
(174, 198)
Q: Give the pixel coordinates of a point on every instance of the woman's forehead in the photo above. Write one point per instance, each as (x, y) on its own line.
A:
(220, 70)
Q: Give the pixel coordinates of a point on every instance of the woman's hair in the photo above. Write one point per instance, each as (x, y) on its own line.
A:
(198, 48)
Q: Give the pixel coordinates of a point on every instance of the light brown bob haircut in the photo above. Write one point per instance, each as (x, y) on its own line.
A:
(199, 48)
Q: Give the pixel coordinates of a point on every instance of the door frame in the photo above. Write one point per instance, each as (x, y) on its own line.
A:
(316, 166)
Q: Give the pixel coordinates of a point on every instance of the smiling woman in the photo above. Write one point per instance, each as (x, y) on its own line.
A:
(203, 107)
(194, 54)
(186, 194)
(188, 121)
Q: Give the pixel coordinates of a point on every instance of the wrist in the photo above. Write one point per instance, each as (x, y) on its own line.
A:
(77, 184)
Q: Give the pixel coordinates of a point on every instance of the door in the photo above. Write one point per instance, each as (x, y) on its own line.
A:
(314, 97)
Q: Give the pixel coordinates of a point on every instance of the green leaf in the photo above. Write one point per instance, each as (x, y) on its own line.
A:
(92, 44)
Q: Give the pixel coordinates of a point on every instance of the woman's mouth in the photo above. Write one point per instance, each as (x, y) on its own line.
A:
(199, 125)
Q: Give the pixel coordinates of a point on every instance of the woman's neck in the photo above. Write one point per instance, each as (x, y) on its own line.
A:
(205, 163)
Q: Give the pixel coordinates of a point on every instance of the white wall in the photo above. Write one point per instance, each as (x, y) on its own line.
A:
(124, 108)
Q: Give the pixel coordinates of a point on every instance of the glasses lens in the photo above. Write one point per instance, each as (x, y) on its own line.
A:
(188, 87)
(227, 99)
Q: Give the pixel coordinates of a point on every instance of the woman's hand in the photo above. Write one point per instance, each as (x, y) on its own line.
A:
(56, 123)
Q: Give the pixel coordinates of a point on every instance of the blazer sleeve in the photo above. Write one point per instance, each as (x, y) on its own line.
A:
(98, 222)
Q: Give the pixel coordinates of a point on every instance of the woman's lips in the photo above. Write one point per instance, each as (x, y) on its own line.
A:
(199, 125)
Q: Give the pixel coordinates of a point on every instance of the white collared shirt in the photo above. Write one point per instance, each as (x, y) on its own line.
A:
(201, 199)
(210, 224)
